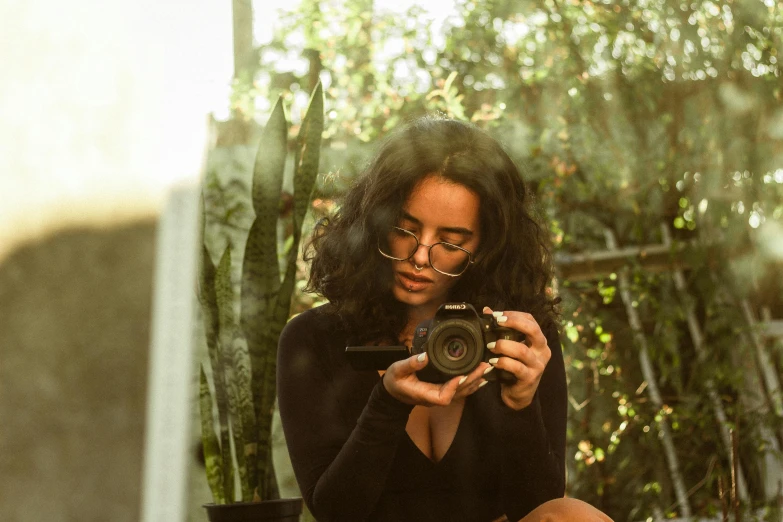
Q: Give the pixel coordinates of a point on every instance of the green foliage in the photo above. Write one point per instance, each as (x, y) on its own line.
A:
(243, 347)
(627, 116)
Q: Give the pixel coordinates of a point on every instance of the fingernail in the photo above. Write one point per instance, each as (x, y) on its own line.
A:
(491, 345)
(486, 309)
(493, 361)
(489, 370)
(465, 378)
(421, 357)
(483, 383)
(502, 319)
(497, 314)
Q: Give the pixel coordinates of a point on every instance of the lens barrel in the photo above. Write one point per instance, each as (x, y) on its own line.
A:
(455, 347)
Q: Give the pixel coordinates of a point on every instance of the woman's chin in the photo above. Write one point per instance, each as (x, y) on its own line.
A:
(413, 298)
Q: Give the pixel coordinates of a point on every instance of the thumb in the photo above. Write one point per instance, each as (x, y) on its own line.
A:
(410, 365)
(417, 362)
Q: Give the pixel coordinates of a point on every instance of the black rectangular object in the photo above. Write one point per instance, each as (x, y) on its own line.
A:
(374, 357)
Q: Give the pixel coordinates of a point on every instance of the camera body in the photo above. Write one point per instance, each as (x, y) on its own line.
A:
(455, 341)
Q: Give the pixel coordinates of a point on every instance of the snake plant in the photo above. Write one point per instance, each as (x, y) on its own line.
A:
(236, 419)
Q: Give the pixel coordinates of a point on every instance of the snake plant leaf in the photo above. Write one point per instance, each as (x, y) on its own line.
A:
(224, 294)
(260, 268)
(260, 273)
(242, 413)
(207, 298)
(306, 162)
(269, 383)
(206, 285)
(221, 366)
(212, 457)
(267, 485)
(209, 308)
(236, 429)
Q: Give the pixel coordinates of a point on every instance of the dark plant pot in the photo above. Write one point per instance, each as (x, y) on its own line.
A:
(282, 510)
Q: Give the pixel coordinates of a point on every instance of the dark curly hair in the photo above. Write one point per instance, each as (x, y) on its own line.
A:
(513, 262)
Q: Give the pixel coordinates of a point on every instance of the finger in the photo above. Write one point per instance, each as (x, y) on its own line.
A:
(409, 366)
(445, 393)
(475, 376)
(469, 388)
(513, 366)
(478, 383)
(519, 351)
(473, 388)
(522, 322)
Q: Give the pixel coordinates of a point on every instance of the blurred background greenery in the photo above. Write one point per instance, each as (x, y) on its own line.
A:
(651, 133)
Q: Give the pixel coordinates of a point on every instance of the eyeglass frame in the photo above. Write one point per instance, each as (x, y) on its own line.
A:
(429, 252)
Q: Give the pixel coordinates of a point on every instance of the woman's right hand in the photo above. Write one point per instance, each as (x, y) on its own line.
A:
(401, 381)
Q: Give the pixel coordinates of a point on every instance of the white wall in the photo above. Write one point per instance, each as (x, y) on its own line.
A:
(103, 105)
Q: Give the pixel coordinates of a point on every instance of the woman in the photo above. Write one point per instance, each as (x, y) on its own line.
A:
(440, 215)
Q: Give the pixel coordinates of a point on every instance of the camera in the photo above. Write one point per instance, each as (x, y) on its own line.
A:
(455, 341)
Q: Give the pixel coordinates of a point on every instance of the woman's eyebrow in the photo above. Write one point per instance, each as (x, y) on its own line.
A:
(453, 230)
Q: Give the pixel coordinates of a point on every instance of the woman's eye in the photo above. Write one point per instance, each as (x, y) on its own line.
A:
(402, 234)
(450, 247)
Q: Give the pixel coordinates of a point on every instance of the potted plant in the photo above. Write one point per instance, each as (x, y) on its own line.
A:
(236, 419)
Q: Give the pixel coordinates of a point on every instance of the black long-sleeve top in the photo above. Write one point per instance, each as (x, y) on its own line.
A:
(354, 461)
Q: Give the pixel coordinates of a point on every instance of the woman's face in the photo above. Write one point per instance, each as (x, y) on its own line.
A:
(437, 210)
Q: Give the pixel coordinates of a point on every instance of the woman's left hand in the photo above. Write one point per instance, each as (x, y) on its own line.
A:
(525, 360)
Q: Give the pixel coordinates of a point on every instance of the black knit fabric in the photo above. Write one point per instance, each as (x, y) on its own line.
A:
(354, 461)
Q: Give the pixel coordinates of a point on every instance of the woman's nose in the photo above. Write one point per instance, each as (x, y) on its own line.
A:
(422, 255)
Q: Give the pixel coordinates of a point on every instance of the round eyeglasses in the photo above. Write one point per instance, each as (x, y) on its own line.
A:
(400, 245)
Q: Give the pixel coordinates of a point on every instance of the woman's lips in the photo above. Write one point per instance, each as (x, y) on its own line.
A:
(413, 283)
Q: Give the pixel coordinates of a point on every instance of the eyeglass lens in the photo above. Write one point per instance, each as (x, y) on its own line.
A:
(400, 244)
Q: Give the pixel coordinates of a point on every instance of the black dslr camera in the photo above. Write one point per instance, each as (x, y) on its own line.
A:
(455, 341)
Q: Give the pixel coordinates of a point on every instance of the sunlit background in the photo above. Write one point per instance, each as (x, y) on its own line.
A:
(655, 124)
(104, 106)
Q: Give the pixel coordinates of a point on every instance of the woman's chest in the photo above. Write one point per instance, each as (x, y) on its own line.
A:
(433, 429)
(453, 464)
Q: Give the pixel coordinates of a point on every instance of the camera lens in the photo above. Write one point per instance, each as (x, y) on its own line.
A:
(455, 349)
